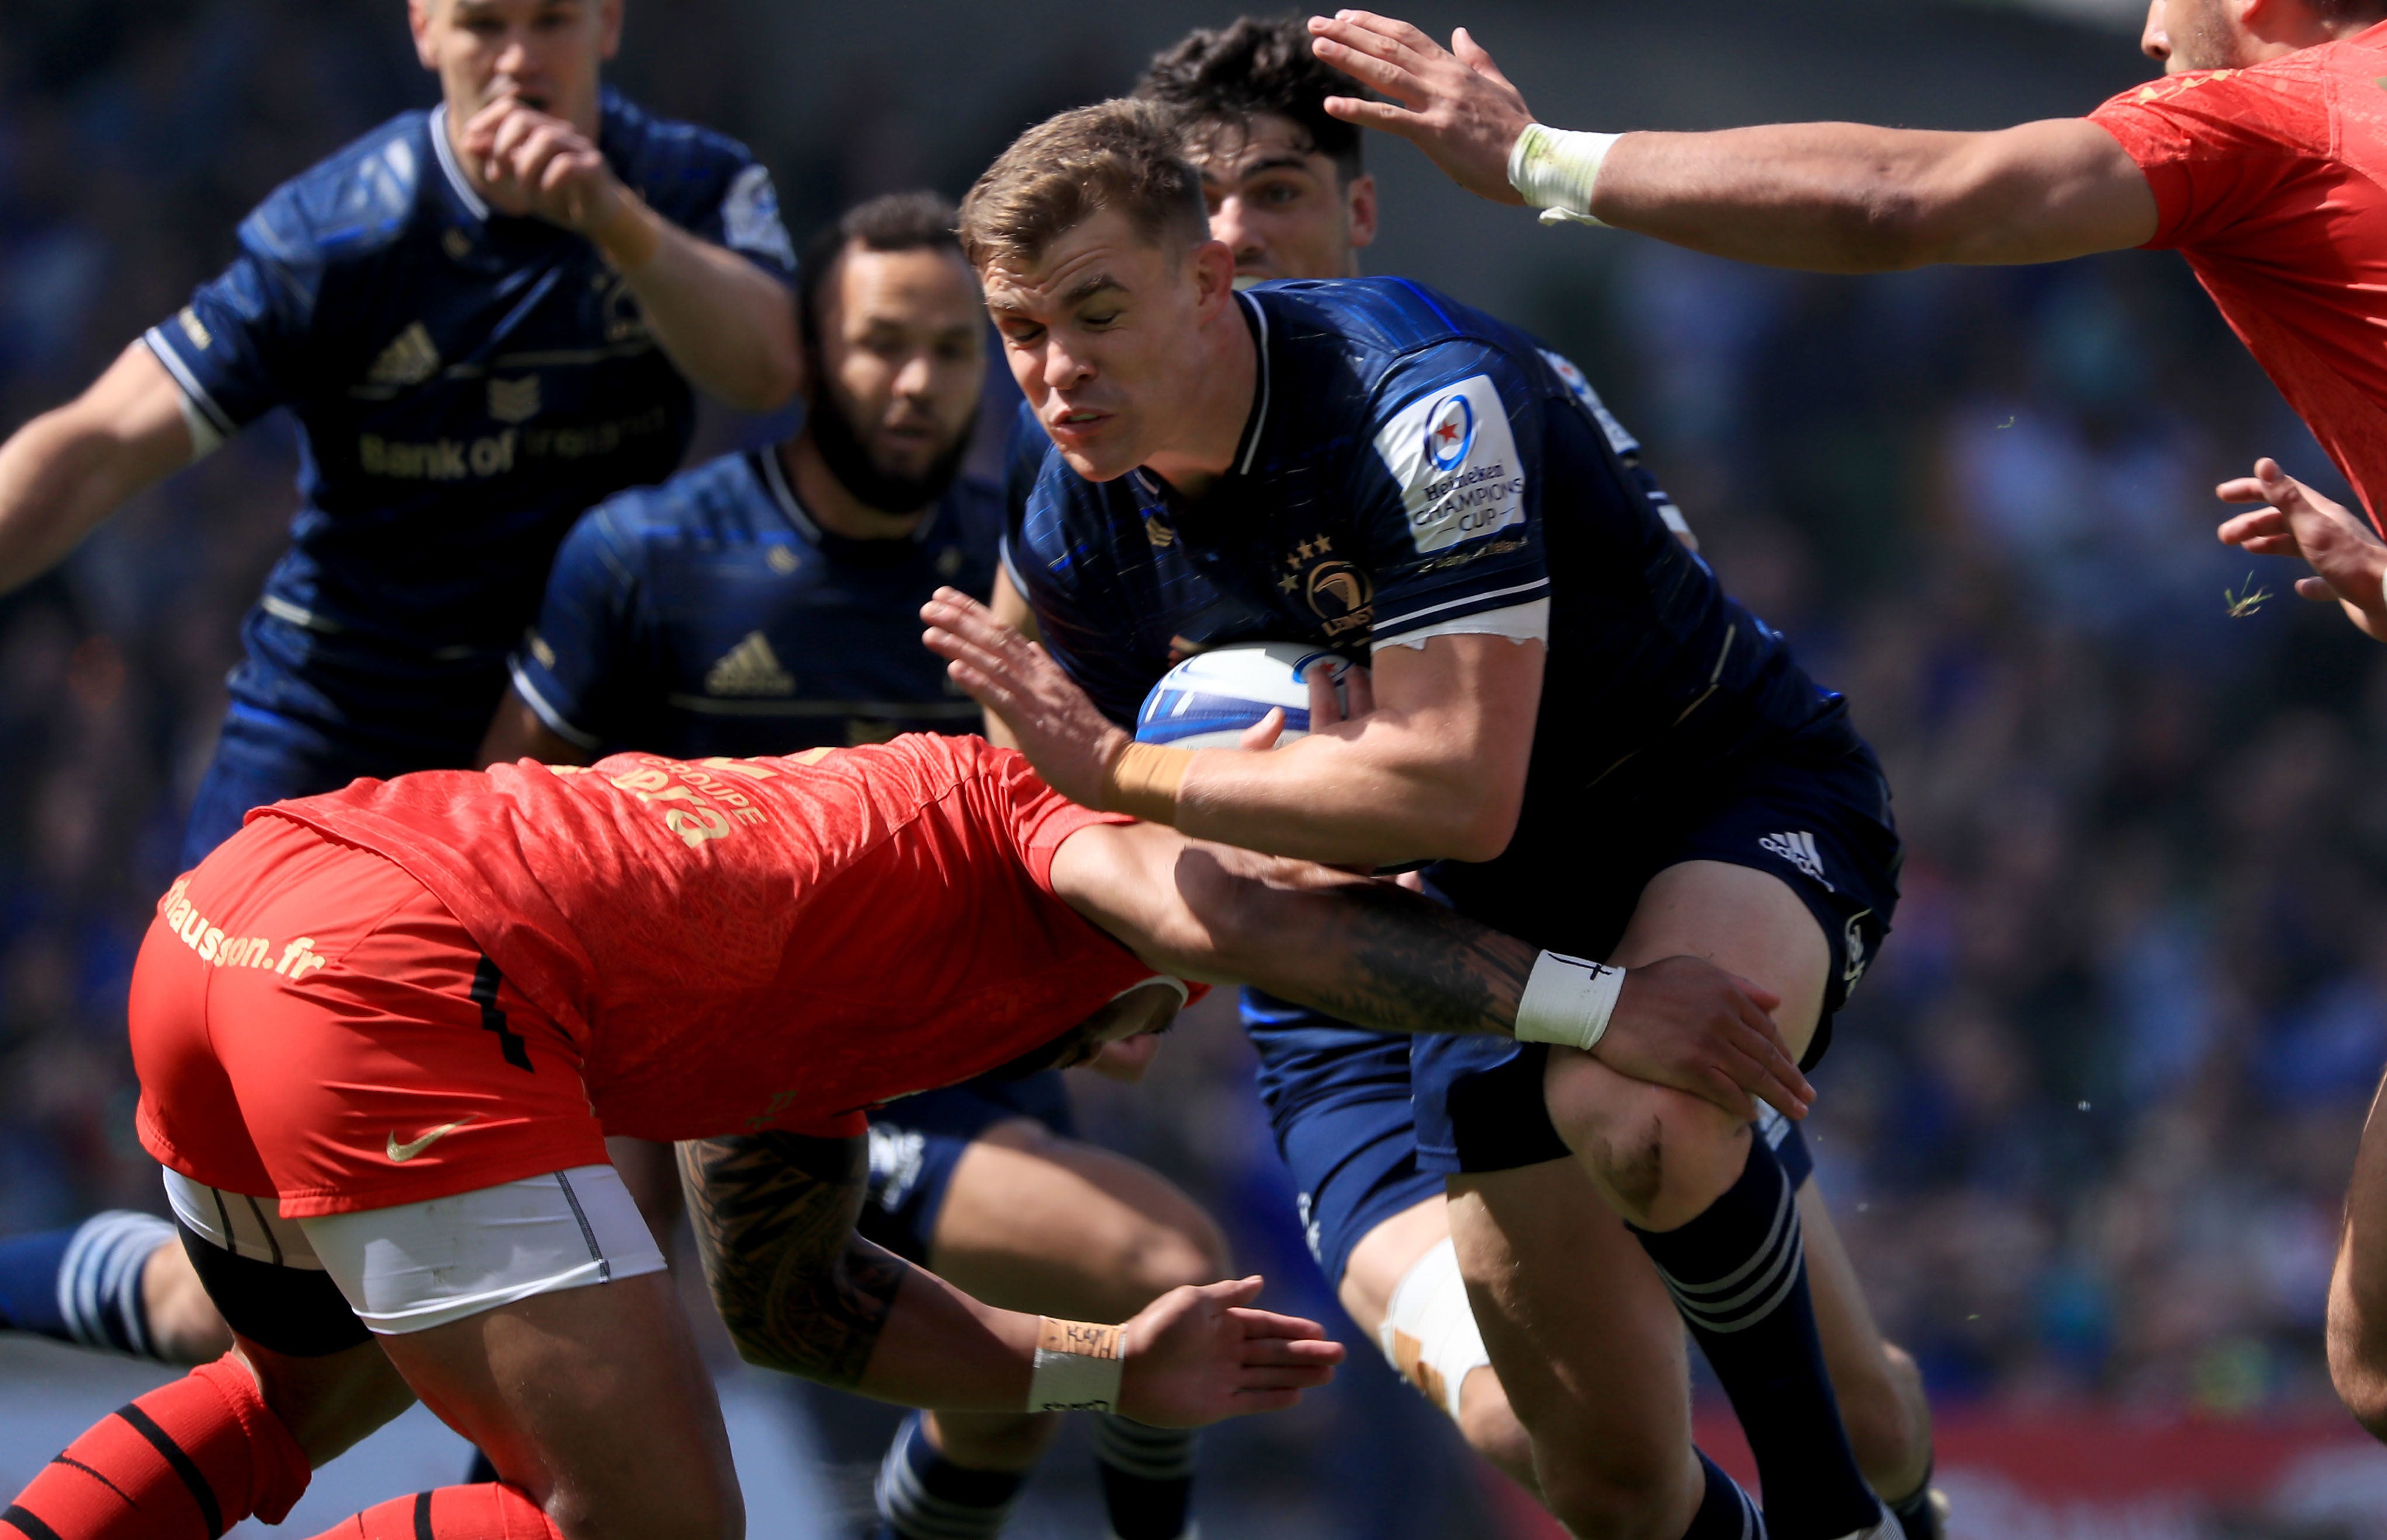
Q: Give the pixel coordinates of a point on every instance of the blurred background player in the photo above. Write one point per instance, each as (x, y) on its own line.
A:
(2259, 158)
(1356, 467)
(485, 317)
(769, 602)
(1289, 194)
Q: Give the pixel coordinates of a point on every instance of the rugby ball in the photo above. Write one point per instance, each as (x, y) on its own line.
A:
(1208, 699)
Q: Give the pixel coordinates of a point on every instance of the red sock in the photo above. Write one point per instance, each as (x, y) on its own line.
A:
(185, 1462)
(487, 1512)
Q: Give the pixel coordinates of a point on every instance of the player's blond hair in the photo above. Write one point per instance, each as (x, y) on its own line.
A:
(1122, 154)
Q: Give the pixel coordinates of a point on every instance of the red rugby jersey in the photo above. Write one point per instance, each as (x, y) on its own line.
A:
(2272, 181)
(739, 945)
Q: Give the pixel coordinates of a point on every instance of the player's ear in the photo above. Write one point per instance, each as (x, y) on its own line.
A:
(1359, 208)
(1213, 266)
(609, 28)
(420, 17)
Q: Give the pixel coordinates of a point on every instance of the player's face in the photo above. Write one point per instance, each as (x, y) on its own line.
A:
(1097, 330)
(903, 349)
(1282, 208)
(2196, 34)
(544, 53)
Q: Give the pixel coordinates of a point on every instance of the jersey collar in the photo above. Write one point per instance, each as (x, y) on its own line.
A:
(1248, 448)
(458, 182)
(783, 492)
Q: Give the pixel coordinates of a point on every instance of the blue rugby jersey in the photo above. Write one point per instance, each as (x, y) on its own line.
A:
(1410, 461)
(465, 382)
(710, 616)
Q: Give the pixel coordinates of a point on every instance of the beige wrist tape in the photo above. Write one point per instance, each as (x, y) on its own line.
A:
(1079, 1365)
(1554, 169)
(1568, 1001)
(1144, 781)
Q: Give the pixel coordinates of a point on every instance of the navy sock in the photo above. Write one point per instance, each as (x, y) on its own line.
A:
(1738, 1275)
(1918, 1515)
(1147, 1477)
(1725, 1513)
(83, 1285)
(923, 1496)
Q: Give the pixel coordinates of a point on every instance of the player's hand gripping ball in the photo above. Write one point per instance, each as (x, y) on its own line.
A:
(1213, 699)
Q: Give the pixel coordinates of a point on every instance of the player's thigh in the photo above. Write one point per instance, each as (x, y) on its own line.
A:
(1585, 1340)
(595, 1401)
(1034, 1221)
(1385, 1256)
(1746, 922)
(651, 1173)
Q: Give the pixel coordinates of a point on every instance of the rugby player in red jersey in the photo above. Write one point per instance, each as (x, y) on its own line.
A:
(2262, 159)
(383, 1033)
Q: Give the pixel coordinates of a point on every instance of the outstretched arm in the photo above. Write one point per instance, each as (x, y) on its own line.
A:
(67, 470)
(1830, 197)
(1375, 954)
(802, 1292)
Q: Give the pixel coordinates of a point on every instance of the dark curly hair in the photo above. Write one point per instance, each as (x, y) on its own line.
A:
(1259, 64)
(896, 222)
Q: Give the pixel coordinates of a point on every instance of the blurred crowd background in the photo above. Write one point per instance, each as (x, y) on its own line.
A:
(2087, 1122)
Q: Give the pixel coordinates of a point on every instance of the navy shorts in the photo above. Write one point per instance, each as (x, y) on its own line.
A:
(1815, 814)
(915, 1144)
(1338, 1101)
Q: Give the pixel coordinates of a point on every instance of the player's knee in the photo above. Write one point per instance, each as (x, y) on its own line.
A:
(1886, 1416)
(2357, 1368)
(185, 1325)
(1663, 1155)
(1158, 1256)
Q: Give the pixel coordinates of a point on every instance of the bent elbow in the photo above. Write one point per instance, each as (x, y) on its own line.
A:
(1486, 832)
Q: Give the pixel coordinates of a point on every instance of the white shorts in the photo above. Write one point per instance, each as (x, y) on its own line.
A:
(422, 1265)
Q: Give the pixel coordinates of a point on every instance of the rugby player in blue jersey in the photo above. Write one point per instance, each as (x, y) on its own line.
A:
(1288, 193)
(485, 317)
(769, 602)
(1589, 740)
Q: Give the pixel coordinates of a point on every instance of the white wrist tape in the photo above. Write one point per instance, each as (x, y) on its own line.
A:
(1554, 169)
(1079, 1365)
(1429, 1333)
(1568, 1001)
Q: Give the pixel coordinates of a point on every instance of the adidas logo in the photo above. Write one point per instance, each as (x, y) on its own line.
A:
(1799, 851)
(750, 668)
(410, 360)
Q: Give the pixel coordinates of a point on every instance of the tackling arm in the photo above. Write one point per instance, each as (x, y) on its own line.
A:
(67, 470)
(517, 732)
(1832, 198)
(1372, 954)
(802, 1292)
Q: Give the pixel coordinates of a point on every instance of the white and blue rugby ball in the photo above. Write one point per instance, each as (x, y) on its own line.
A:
(1208, 699)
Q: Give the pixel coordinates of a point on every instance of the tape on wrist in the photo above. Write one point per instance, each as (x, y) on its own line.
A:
(1079, 1365)
(1144, 782)
(1554, 169)
(1568, 1001)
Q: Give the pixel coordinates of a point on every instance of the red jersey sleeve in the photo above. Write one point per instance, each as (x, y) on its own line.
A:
(1040, 818)
(2229, 153)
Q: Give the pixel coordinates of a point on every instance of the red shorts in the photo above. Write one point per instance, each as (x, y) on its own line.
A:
(309, 1024)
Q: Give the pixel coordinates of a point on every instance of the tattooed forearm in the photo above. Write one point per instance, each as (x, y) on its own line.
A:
(1367, 952)
(1382, 957)
(774, 1216)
